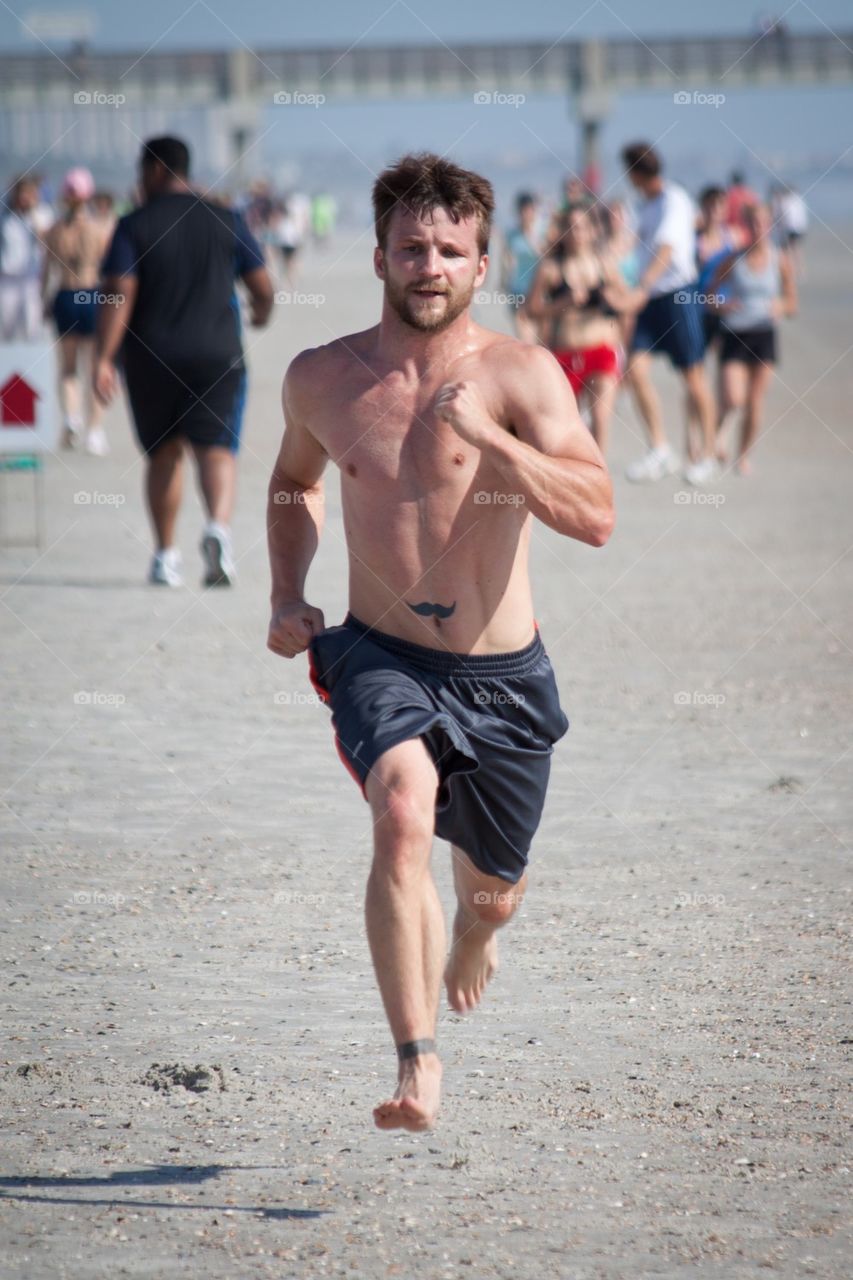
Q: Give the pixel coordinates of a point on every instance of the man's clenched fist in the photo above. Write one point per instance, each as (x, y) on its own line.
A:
(292, 627)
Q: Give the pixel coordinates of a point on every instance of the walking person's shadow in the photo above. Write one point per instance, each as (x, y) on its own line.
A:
(13, 1186)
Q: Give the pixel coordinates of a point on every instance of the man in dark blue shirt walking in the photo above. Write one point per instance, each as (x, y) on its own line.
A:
(172, 265)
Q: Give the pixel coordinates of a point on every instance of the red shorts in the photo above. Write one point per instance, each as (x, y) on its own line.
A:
(580, 366)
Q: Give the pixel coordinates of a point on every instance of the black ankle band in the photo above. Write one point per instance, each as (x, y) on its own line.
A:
(414, 1048)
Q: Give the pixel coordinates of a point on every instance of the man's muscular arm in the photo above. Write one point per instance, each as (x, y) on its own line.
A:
(294, 517)
(552, 460)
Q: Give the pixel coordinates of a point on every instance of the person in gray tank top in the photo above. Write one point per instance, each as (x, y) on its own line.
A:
(758, 288)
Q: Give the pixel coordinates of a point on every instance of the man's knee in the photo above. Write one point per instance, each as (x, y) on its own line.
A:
(696, 379)
(166, 453)
(401, 790)
(497, 906)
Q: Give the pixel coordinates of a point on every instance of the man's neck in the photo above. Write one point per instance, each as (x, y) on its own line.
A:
(400, 346)
(175, 187)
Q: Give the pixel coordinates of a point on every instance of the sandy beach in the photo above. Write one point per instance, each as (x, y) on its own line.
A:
(657, 1082)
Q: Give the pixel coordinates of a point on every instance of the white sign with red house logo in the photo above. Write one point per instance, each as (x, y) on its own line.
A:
(29, 418)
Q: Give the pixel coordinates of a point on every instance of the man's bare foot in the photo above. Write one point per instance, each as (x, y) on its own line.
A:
(743, 466)
(415, 1102)
(473, 960)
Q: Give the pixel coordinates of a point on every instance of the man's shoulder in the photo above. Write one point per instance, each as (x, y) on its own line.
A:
(313, 368)
(129, 219)
(507, 357)
(674, 193)
(518, 369)
(137, 222)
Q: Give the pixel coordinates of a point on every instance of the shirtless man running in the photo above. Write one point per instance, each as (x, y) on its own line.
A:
(448, 438)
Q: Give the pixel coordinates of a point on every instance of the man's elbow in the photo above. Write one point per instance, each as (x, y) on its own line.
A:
(602, 521)
(262, 304)
(285, 491)
(601, 528)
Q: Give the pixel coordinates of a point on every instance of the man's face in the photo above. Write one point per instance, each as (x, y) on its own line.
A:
(27, 197)
(430, 267)
(715, 209)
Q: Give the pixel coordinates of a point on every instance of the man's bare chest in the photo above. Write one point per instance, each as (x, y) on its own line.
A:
(380, 437)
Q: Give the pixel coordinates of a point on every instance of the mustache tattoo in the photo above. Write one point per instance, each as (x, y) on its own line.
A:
(429, 610)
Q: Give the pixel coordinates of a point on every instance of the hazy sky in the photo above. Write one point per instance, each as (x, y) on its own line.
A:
(215, 23)
(780, 127)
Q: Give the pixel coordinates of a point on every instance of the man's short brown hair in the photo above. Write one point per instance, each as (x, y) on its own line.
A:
(642, 159)
(423, 182)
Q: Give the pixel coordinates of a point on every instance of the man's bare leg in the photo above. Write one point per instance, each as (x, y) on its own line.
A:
(405, 925)
(70, 399)
(217, 478)
(164, 484)
(639, 378)
(484, 904)
(702, 402)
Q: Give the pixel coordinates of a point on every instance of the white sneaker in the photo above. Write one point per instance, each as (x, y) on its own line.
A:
(165, 568)
(97, 443)
(217, 553)
(71, 432)
(654, 465)
(701, 472)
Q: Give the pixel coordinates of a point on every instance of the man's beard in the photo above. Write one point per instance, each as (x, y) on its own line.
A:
(400, 300)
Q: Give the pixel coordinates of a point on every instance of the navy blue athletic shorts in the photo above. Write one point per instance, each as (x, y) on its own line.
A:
(489, 722)
(671, 324)
(75, 312)
(204, 406)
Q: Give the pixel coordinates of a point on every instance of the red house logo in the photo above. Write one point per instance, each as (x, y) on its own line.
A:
(18, 402)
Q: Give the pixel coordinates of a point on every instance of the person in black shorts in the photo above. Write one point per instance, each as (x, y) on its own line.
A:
(450, 440)
(760, 288)
(172, 265)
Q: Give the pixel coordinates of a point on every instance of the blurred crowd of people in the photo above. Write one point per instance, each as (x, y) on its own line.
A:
(285, 223)
(50, 264)
(148, 289)
(606, 286)
(52, 247)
